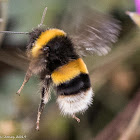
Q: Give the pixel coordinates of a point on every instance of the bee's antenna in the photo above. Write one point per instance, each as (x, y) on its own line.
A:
(10, 32)
(43, 17)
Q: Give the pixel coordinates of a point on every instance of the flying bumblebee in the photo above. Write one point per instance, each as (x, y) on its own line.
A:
(57, 58)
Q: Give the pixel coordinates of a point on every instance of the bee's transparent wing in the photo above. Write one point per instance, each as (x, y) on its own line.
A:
(15, 58)
(91, 32)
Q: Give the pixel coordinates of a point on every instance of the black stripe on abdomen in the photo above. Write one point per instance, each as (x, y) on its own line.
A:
(78, 84)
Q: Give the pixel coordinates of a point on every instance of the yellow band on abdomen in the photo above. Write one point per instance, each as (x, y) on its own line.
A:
(69, 71)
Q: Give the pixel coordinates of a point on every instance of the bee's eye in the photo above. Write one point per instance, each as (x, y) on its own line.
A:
(46, 48)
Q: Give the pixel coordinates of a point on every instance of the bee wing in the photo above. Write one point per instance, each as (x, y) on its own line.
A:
(93, 32)
(15, 58)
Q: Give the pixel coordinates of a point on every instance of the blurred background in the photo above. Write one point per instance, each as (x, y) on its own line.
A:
(115, 113)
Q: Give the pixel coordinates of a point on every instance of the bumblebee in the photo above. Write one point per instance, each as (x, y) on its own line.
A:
(57, 58)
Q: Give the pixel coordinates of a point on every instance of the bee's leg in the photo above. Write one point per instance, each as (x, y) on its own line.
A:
(26, 79)
(45, 95)
(40, 108)
(76, 118)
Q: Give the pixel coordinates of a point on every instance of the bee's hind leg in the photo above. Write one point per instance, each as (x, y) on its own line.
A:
(41, 108)
(45, 96)
(76, 118)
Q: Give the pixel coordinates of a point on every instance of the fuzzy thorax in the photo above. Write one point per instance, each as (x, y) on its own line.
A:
(72, 104)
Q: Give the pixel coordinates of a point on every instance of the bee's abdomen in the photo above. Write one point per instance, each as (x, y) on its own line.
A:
(78, 84)
(73, 87)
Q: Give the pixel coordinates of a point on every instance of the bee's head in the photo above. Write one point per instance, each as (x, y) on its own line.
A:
(42, 41)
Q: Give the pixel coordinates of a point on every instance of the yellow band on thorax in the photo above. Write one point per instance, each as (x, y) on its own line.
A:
(69, 71)
(44, 38)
